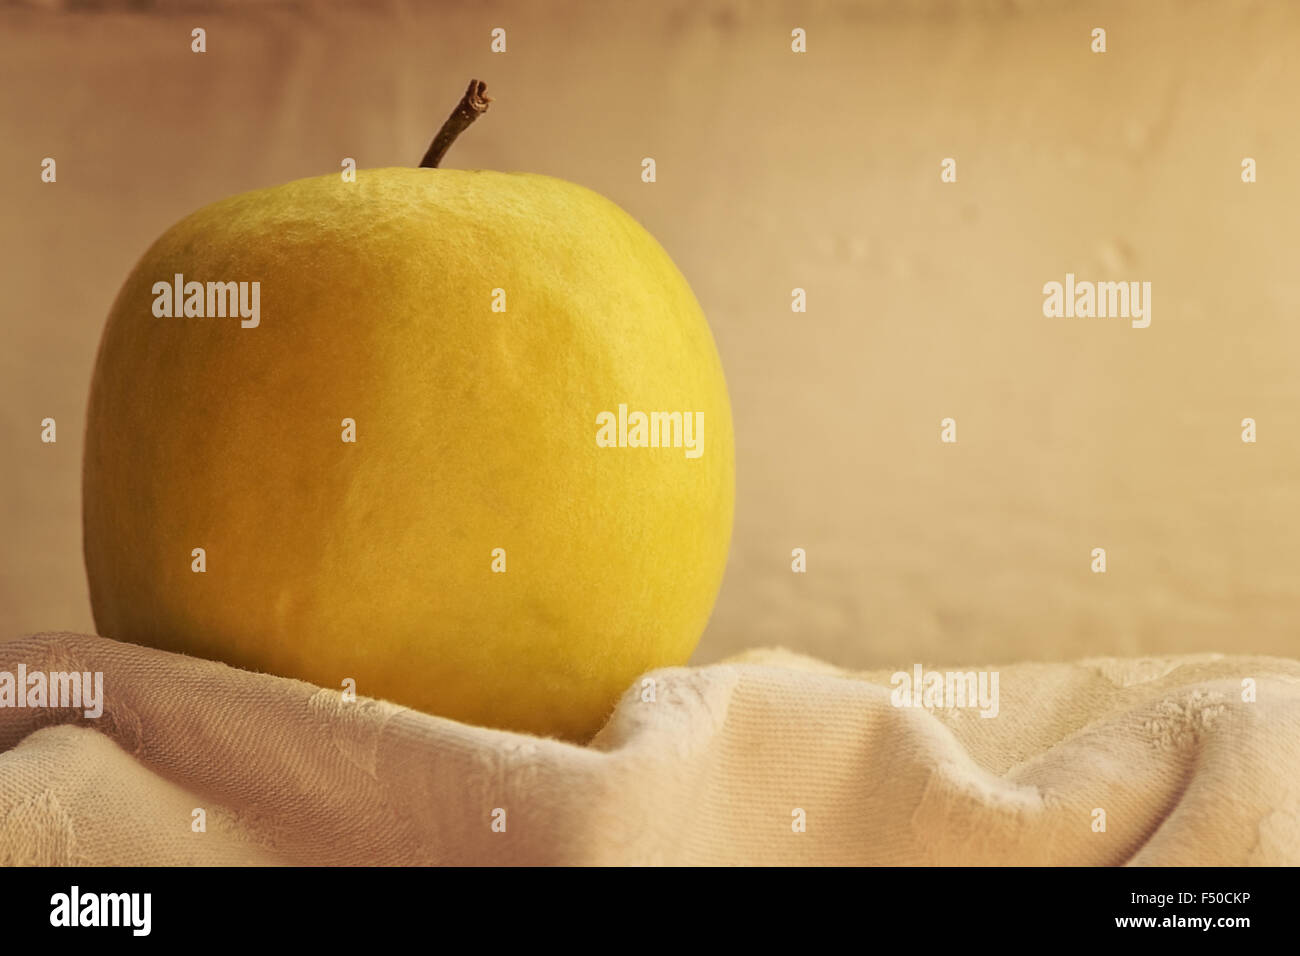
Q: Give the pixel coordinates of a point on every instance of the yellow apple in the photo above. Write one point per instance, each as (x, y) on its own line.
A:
(413, 460)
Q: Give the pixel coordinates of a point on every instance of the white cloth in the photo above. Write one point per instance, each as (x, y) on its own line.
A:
(713, 771)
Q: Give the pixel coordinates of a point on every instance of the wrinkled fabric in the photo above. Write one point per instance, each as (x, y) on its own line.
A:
(768, 758)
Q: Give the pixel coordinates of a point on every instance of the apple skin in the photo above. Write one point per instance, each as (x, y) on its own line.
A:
(372, 560)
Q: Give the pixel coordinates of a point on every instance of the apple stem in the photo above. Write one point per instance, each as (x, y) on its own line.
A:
(471, 106)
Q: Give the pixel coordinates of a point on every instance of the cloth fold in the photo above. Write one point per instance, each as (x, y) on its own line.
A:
(767, 758)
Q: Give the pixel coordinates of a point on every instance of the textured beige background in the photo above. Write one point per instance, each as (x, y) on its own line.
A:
(776, 171)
